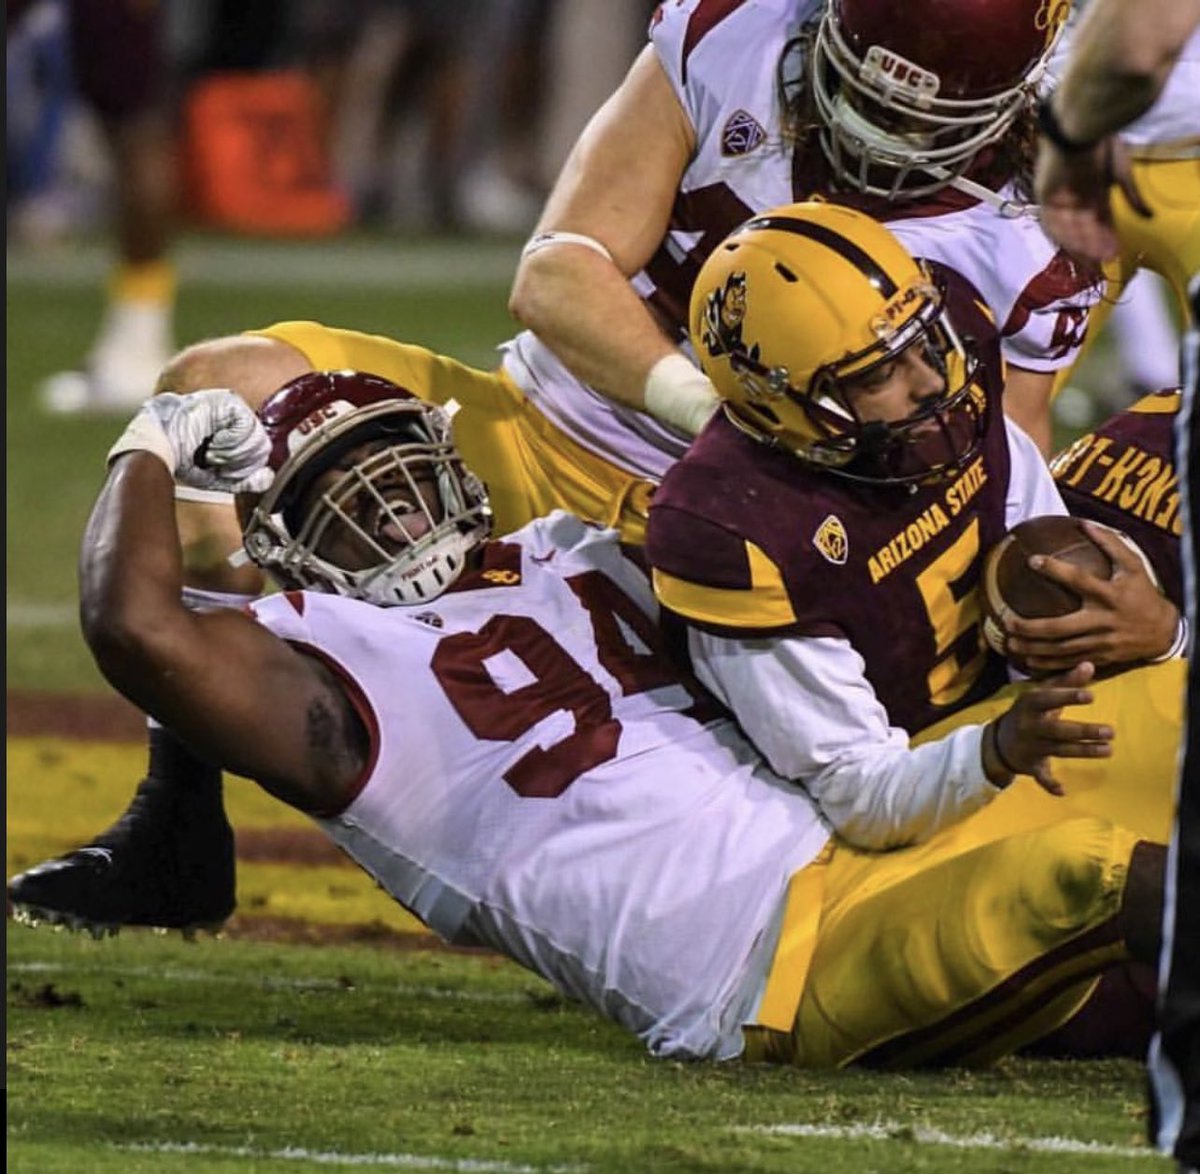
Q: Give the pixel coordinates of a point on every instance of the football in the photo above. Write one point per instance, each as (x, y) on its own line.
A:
(1012, 587)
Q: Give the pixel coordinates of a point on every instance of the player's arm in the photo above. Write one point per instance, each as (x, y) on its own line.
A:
(230, 689)
(808, 707)
(616, 189)
(1027, 401)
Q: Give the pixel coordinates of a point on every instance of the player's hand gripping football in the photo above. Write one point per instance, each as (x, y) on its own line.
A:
(1024, 739)
(209, 440)
(1122, 620)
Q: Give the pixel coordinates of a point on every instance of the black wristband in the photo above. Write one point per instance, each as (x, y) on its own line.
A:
(994, 727)
(1047, 122)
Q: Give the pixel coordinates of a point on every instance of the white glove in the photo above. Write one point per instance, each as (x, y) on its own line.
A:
(209, 440)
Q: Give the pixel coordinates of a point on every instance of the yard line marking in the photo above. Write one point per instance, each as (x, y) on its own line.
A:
(514, 998)
(22, 613)
(923, 1135)
(334, 1158)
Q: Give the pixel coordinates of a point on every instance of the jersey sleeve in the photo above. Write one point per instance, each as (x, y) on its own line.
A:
(807, 706)
(1031, 488)
(694, 59)
(669, 36)
(713, 578)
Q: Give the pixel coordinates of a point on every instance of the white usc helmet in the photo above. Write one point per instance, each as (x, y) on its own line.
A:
(385, 444)
(908, 92)
(805, 297)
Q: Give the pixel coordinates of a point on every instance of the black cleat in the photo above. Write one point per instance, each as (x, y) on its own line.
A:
(168, 863)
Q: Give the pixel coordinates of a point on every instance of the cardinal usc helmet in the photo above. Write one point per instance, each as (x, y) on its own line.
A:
(800, 300)
(370, 499)
(908, 92)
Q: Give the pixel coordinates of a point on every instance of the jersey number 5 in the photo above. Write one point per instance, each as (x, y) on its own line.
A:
(953, 609)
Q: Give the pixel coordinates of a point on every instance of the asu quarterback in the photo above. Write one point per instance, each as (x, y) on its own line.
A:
(822, 541)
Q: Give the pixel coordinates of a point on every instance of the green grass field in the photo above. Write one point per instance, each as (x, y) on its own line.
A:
(145, 1053)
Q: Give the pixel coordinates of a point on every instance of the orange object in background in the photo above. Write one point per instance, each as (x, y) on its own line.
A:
(256, 157)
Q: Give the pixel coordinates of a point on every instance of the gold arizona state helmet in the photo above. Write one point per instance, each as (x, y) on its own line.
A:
(797, 301)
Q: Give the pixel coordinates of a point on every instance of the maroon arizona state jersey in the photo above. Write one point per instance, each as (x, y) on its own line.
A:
(1123, 475)
(746, 540)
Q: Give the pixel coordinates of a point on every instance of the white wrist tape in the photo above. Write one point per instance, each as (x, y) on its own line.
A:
(1178, 645)
(679, 394)
(202, 599)
(145, 434)
(546, 240)
(203, 496)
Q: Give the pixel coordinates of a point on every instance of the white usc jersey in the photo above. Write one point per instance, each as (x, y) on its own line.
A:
(1174, 119)
(722, 61)
(543, 783)
(1175, 116)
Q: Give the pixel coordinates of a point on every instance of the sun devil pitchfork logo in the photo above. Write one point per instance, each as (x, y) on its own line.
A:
(724, 313)
(742, 134)
(724, 317)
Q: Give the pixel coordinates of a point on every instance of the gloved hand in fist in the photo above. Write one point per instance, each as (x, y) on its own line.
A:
(208, 439)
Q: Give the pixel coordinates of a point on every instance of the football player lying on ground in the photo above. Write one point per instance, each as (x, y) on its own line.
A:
(601, 821)
(168, 861)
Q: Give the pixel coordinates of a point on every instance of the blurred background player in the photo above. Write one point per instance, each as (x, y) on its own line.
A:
(1160, 149)
(118, 62)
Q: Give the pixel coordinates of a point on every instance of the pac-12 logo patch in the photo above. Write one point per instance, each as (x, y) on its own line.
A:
(830, 539)
(742, 134)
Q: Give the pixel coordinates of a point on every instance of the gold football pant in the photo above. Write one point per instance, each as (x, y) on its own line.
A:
(991, 934)
(930, 955)
(529, 466)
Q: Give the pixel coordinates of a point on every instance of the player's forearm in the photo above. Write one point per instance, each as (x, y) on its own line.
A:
(130, 574)
(583, 308)
(881, 797)
(806, 705)
(1122, 55)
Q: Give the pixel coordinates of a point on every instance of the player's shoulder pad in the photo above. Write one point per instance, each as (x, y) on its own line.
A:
(678, 29)
(1166, 402)
(712, 577)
